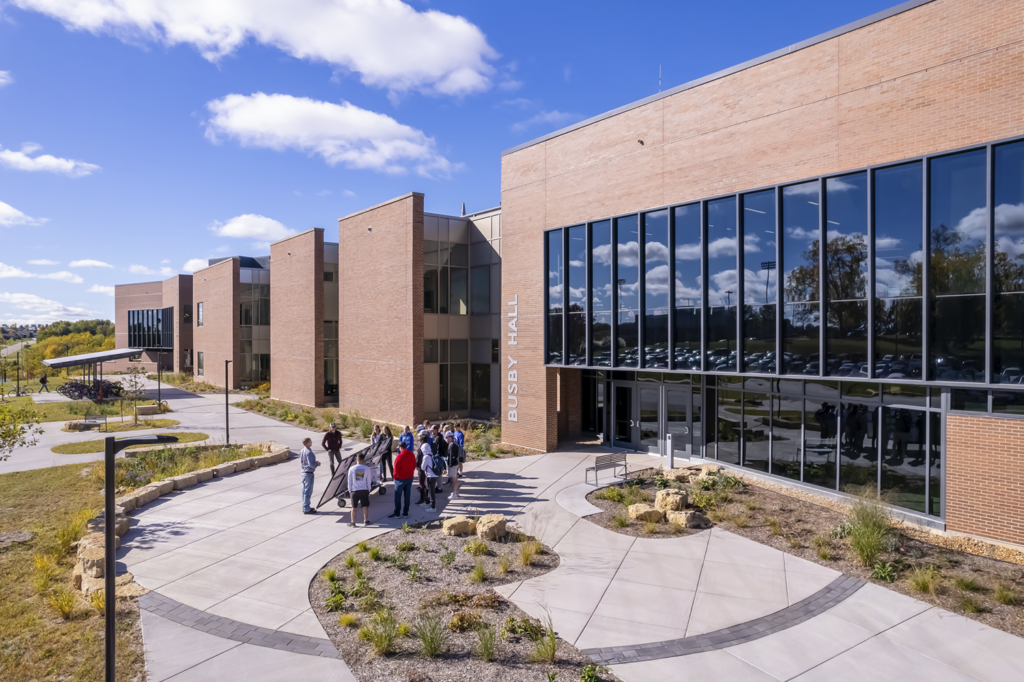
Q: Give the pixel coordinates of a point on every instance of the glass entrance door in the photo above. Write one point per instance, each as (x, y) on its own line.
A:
(650, 427)
(623, 417)
(679, 420)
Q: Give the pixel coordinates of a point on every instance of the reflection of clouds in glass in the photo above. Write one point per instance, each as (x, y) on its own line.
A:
(840, 185)
(801, 233)
(577, 294)
(755, 280)
(886, 243)
(974, 225)
(576, 263)
(657, 281)
(656, 252)
(688, 251)
(806, 189)
(687, 296)
(603, 254)
(887, 281)
(722, 282)
(629, 255)
(1010, 224)
(725, 246)
(555, 293)
(750, 243)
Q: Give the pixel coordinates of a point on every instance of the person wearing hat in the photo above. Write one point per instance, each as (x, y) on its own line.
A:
(332, 444)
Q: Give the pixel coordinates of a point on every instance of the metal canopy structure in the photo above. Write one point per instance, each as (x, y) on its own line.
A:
(92, 358)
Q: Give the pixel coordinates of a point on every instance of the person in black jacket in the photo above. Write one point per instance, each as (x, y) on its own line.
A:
(440, 447)
(332, 443)
(388, 437)
(454, 458)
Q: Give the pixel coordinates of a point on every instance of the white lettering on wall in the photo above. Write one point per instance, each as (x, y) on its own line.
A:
(513, 374)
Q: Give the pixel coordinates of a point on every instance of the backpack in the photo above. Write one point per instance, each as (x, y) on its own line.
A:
(438, 463)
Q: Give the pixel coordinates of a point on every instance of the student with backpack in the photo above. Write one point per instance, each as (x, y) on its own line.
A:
(432, 465)
(360, 479)
(454, 458)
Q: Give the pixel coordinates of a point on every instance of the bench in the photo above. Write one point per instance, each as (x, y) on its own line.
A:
(612, 461)
(96, 420)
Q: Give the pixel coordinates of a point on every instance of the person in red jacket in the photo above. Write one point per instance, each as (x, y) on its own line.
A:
(405, 469)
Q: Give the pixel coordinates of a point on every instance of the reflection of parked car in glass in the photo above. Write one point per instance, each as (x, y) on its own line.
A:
(811, 369)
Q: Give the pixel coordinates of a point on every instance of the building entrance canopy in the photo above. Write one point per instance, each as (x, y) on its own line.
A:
(92, 358)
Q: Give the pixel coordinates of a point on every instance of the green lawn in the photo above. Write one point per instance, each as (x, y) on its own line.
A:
(75, 409)
(86, 447)
(141, 425)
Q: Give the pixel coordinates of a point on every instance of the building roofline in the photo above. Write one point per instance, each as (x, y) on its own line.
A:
(293, 236)
(462, 217)
(828, 35)
(227, 259)
(383, 203)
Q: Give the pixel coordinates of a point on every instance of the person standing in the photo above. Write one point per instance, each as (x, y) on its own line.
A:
(407, 440)
(454, 452)
(460, 438)
(389, 438)
(405, 469)
(308, 464)
(432, 465)
(42, 384)
(440, 448)
(360, 479)
(332, 443)
(424, 450)
(375, 436)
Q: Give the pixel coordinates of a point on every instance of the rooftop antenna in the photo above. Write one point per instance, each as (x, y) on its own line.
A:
(463, 208)
(659, 77)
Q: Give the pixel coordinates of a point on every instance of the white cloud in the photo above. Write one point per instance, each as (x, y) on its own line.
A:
(347, 193)
(164, 262)
(10, 216)
(42, 310)
(261, 229)
(193, 264)
(11, 271)
(43, 261)
(99, 289)
(44, 162)
(143, 270)
(387, 42)
(6, 78)
(340, 133)
(89, 263)
(545, 118)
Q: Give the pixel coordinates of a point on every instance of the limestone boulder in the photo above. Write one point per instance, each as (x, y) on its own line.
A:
(76, 576)
(242, 464)
(99, 525)
(127, 502)
(225, 469)
(689, 519)
(645, 512)
(671, 500)
(491, 526)
(183, 481)
(121, 582)
(97, 540)
(680, 475)
(458, 525)
(163, 487)
(92, 560)
(203, 475)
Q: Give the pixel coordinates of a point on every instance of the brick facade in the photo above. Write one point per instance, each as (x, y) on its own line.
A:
(175, 292)
(943, 75)
(178, 292)
(380, 347)
(218, 289)
(985, 477)
(297, 319)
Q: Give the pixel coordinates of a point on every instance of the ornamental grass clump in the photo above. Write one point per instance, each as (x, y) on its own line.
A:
(924, 579)
(433, 635)
(486, 647)
(546, 647)
(869, 528)
(528, 551)
(381, 632)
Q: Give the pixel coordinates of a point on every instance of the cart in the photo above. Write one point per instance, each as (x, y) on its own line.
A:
(337, 489)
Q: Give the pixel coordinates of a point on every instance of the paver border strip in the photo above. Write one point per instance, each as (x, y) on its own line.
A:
(226, 628)
(805, 609)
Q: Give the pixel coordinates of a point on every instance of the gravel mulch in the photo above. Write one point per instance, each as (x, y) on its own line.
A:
(804, 529)
(444, 593)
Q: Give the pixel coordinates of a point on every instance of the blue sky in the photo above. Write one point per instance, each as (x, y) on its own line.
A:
(135, 143)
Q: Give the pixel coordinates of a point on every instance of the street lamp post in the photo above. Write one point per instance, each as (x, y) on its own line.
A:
(227, 431)
(111, 448)
(768, 265)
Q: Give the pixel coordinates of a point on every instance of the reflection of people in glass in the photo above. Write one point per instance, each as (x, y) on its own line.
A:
(827, 420)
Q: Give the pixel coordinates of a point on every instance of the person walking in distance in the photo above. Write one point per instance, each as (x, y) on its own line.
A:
(432, 465)
(308, 464)
(42, 384)
(389, 438)
(332, 443)
(405, 469)
(454, 452)
(359, 481)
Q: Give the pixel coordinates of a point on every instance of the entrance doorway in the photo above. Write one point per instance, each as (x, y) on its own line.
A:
(643, 415)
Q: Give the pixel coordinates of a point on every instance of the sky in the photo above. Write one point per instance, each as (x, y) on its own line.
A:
(138, 138)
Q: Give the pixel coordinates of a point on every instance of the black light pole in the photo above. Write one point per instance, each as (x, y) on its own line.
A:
(159, 377)
(227, 431)
(112, 447)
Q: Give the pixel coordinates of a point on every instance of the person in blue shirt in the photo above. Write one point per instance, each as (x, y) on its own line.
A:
(407, 439)
(308, 464)
(460, 437)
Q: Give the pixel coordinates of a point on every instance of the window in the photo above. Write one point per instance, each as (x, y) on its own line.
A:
(430, 286)
(481, 387)
(459, 291)
(328, 276)
(656, 289)
(627, 291)
(800, 246)
(430, 350)
(577, 295)
(760, 283)
(846, 275)
(199, 359)
(555, 294)
(186, 314)
(601, 293)
(1008, 275)
(687, 290)
(199, 314)
(723, 292)
(480, 290)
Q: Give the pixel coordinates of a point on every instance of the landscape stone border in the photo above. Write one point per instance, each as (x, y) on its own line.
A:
(172, 610)
(819, 602)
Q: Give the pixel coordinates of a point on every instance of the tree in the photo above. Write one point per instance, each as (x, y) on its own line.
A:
(63, 328)
(19, 428)
(134, 387)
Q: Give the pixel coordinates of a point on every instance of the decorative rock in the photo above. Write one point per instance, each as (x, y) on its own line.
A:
(11, 537)
(163, 487)
(242, 464)
(92, 560)
(203, 475)
(98, 525)
(671, 500)
(96, 540)
(76, 576)
(121, 582)
(127, 503)
(491, 526)
(680, 475)
(183, 481)
(147, 494)
(223, 469)
(689, 519)
(645, 512)
(458, 525)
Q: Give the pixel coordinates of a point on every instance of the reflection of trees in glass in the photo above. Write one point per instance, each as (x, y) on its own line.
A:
(845, 259)
(956, 269)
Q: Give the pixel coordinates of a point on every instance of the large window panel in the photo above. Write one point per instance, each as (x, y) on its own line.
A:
(786, 416)
(459, 291)
(800, 245)
(601, 339)
(601, 293)
(459, 390)
(958, 228)
(904, 458)
(577, 293)
(760, 282)
(858, 448)
(656, 289)
(723, 289)
(577, 341)
(1008, 274)
(730, 419)
(821, 425)
(627, 252)
(480, 290)
(756, 430)
(556, 293)
(687, 286)
(935, 464)
(846, 274)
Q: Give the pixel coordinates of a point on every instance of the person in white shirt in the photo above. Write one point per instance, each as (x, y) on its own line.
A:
(430, 471)
(359, 484)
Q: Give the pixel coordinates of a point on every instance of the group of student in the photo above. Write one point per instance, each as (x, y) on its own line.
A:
(426, 456)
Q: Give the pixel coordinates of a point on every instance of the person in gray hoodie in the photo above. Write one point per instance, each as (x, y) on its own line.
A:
(308, 464)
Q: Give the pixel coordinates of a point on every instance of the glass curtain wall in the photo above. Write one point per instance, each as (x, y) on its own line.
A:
(958, 229)
(656, 289)
(759, 282)
(688, 300)
(722, 285)
(627, 291)
(577, 296)
(846, 275)
(254, 318)
(601, 293)
(1008, 271)
(556, 293)
(800, 256)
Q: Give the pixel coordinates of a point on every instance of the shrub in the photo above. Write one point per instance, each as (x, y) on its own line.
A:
(722, 497)
(661, 482)
(613, 494)
(475, 547)
(374, 553)
(433, 635)
(675, 527)
(488, 600)
(405, 546)
(362, 587)
(885, 572)
(71, 532)
(397, 560)
(528, 552)
(363, 546)
(99, 602)
(335, 602)
(521, 627)
(479, 573)
(63, 602)
(703, 500)
(1006, 595)
(504, 564)
(620, 520)
(370, 604)
(406, 528)
(331, 575)
(590, 674)
(971, 605)
(650, 527)
(924, 579)
(486, 643)
(358, 572)
(842, 530)
(545, 648)
(382, 632)
(867, 542)
(448, 558)
(348, 620)
(350, 561)
(461, 622)
(968, 584)
(414, 572)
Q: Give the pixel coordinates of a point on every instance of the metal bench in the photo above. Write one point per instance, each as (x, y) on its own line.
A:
(97, 420)
(612, 461)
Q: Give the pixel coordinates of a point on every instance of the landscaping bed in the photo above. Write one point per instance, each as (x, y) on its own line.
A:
(424, 590)
(130, 425)
(84, 447)
(861, 541)
(74, 409)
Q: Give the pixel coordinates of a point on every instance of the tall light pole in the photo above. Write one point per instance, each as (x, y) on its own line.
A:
(111, 448)
(227, 383)
(768, 265)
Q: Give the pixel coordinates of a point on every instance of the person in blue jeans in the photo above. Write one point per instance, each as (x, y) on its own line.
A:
(405, 471)
(42, 384)
(308, 464)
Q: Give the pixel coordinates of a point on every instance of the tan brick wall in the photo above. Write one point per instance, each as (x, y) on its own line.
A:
(940, 76)
(133, 297)
(380, 311)
(178, 293)
(985, 477)
(218, 288)
(296, 320)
